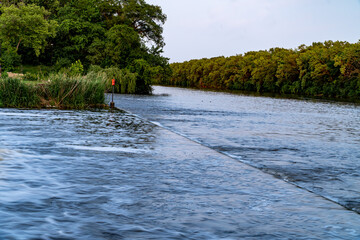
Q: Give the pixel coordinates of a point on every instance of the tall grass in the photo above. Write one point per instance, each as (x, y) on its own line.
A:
(126, 81)
(58, 90)
(76, 92)
(15, 93)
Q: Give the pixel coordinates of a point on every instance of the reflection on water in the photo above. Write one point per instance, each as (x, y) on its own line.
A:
(111, 175)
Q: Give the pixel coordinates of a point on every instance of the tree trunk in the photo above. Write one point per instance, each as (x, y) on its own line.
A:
(17, 47)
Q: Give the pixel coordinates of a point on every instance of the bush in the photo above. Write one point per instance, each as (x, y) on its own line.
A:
(10, 59)
(31, 77)
(76, 68)
(62, 63)
(95, 69)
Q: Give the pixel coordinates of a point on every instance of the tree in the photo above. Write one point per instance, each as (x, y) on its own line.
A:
(26, 25)
(144, 77)
(263, 73)
(145, 19)
(50, 5)
(121, 46)
(79, 25)
(287, 72)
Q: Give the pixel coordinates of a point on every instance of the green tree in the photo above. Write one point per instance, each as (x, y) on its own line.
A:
(263, 73)
(145, 19)
(349, 62)
(121, 46)
(144, 73)
(50, 5)
(287, 73)
(79, 25)
(26, 25)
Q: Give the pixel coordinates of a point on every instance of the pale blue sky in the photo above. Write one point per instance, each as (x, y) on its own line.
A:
(209, 28)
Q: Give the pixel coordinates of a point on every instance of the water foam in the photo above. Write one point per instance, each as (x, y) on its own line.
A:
(108, 149)
(21, 114)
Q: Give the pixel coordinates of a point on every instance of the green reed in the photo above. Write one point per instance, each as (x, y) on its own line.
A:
(56, 91)
(17, 94)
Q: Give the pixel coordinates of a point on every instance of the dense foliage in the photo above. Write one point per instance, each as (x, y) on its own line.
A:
(125, 34)
(329, 69)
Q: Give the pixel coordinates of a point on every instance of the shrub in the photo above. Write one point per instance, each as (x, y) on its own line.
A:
(31, 77)
(95, 69)
(62, 63)
(10, 59)
(76, 68)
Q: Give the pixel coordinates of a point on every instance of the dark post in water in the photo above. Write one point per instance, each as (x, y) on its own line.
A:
(112, 104)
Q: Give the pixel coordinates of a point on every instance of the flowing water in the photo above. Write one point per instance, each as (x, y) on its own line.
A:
(312, 144)
(208, 166)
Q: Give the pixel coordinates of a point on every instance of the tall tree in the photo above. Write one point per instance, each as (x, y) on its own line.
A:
(79, 25)
(26, 25)
(145, 19)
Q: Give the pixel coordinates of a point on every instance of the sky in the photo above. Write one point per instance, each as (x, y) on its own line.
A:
(198, 29)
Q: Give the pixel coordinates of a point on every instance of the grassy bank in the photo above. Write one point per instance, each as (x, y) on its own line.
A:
(56, 91)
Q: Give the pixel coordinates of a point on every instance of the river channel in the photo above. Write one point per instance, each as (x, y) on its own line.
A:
(182, 164)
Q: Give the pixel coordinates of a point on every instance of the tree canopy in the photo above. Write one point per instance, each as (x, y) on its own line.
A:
(26, 25)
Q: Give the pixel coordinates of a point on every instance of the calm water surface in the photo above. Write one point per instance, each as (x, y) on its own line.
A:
(114, 175)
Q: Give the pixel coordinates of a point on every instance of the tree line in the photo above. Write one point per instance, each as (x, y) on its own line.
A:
(329, 69)
(126, 34)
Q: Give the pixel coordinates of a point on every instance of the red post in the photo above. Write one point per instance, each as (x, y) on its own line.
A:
(112, 104)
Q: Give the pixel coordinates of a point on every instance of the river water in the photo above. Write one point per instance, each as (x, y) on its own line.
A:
(186, 165)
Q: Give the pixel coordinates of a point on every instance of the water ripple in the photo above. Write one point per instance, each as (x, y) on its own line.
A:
(112, 175)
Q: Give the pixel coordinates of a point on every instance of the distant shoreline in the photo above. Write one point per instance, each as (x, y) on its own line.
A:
(328, 70)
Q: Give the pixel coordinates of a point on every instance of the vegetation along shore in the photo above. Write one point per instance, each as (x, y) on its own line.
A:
(326, 70)
(78, 47)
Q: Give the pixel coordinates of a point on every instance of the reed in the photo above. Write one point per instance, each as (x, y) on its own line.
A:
(78, 92)
(15, 93)
(126, 81)
(56, 91)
